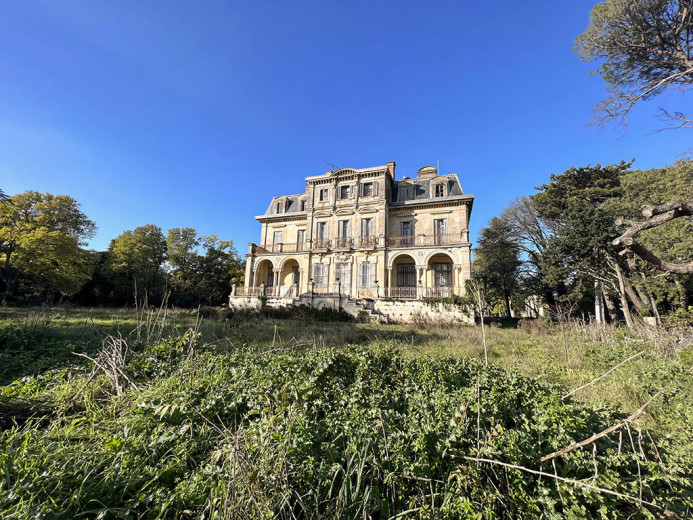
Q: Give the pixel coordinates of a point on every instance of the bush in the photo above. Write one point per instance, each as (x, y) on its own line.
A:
(346, 433)
(680, 318)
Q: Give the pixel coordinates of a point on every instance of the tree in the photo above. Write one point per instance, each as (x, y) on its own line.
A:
(182, 244)
(531, 235)
(646, 47)
(135, 261)
(496, 260)
(664, 244)
(219, 268)
(580, 249)
(40, 239)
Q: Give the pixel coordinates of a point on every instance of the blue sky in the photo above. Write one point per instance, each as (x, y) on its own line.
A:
(182, 113)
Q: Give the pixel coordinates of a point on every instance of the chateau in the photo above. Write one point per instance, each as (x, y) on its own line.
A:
(359, 234)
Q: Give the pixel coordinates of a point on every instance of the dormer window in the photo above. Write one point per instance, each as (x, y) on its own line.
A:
(440, 190)
(405, 193)
(287, 205)
(303, 205)
(279, 207)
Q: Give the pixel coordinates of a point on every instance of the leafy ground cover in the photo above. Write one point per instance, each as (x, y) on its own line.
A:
(261, 418)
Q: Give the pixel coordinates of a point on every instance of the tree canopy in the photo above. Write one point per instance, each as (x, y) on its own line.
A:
(135, 261)
(40, 242)
(496, 261)
(645, 46)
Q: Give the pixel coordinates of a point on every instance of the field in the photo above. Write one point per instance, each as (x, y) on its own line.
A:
(184, 415)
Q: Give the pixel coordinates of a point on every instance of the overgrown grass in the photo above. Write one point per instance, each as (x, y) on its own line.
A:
(261, 417)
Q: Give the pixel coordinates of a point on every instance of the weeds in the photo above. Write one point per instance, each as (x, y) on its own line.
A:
(262, 417)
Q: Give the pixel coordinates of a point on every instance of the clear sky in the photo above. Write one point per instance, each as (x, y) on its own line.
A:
(190, 113)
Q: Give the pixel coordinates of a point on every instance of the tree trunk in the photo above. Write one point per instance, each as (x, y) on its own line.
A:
(623, 297)
(599, 303)
(633, 296)
(611, 307)
(10, 277)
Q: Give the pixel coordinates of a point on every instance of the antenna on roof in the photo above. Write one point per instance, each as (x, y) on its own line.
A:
(334, 168)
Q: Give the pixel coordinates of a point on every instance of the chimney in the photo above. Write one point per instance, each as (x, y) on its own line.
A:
(428, 172)
(391, 169)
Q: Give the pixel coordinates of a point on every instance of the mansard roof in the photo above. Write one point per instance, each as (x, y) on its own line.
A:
(288, 204)
(422, 189)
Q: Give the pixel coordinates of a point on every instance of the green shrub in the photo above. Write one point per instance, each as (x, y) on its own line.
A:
(350, 433)
(680, 318)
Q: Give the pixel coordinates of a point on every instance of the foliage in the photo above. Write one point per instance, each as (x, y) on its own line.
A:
(204, 277)
(135, 262)
(646, 48)
(497, 261)
(40, 239)
(181, 244)
(680, 318)
(580, 247)
(339, 433)
(220, 266)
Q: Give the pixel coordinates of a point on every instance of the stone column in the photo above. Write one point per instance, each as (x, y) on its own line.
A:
(420, 281)
(457, 287)
(389, 282)
(276, 282)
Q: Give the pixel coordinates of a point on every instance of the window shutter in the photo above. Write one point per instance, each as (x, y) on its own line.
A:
(376, 185)
(351, 191)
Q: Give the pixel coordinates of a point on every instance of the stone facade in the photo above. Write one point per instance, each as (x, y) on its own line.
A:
(361, 234)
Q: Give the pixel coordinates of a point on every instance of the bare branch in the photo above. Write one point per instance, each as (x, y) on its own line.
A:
(656, 216)
(634, 416)
(603, 375)
(562, 479)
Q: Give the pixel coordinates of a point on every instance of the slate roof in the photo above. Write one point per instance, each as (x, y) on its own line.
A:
(290, 204)
(421, 188)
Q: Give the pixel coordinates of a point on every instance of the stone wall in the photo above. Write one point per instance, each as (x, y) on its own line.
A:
(414, 311)
(390, 311)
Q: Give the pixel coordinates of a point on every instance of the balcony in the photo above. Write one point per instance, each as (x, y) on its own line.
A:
(369, 242)
(442, 239)
(344, 243)
(322, 243)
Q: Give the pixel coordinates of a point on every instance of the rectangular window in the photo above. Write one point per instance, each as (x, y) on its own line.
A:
(406, 275)
(442, 274)
(279, 207)
(303, 205)
(300, 239)
(405, 193)
(367, 189)
(366, 227)
(440, 231)
(320, 274)
(407, 233)
(365, 277)
(322, 194)
(277, 237)
(440, 190)
(343, 274)
(321, 230)
(344, 192)
(343, 228)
